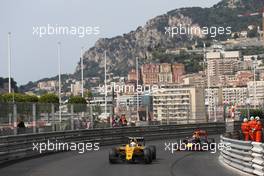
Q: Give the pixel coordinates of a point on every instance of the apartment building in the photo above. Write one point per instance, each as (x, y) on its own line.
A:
(132, 75)
(221, 63)
(256, 93)
(163, 73)
(235, 95)
(48, 85)
(150, 73)
(180, 104)
(76, 88)
(178, 70)
(213, 102)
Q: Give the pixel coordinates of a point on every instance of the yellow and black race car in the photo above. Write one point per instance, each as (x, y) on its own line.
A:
(134, 151)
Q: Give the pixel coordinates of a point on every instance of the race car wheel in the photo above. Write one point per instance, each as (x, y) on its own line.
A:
(147, 156)
(211, 140)
(113, 156)
(153, 151)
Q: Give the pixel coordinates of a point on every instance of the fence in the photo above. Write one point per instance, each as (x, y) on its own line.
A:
(245, 156)
(39, 117)
(50, 117)
(21, 146)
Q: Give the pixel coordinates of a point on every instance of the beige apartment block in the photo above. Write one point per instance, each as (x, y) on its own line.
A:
(221, 63)
(179, 104)
(256, 93)
(235, 95)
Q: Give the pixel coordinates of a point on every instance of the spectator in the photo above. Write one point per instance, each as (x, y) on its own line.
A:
(21, 126)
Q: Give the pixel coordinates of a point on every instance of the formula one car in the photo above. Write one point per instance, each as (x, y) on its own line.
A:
(198, 142)
(134, 151)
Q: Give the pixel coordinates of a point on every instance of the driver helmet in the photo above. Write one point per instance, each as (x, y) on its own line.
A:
(252, 118)
(132, 143)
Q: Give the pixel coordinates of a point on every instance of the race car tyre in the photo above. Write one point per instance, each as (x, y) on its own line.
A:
(113, 156)
(212, 143)
(153, 151)
(185, 141)
(147, 156)
(211, 140)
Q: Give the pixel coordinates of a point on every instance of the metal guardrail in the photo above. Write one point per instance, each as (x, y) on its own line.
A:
(258, 158)
(18, 147)
(245, 156)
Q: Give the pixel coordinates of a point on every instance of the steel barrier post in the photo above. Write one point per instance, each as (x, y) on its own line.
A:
(91, 115)
(53, 117)
(15, 118)
(72, 118)
(34, 117)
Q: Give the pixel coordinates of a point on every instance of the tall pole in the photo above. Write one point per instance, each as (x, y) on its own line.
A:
(255, 87)
(208, 86)
(82, 71)
(263, 25)
(9, 61)
(204, 55)
(105, 83)
(59, 67)
(137, 88)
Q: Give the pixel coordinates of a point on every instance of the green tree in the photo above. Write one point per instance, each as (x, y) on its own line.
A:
(23, 102)
(13, 97)
(88, 95)
(253, 33)
(77, 100)
(46, 101)
(49, 98)
(252, 112)
(78, 103)
(31, 98)
(236, 36)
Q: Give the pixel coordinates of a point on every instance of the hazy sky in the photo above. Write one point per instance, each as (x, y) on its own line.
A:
(34, 58)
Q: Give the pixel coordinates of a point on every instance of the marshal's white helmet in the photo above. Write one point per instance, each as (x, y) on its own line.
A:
(257, 118)
(252, 118)
(245, 120)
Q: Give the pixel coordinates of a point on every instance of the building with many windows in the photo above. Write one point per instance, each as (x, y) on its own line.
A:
(221, 63)
(163, 73)
(180, 104)
(256, 93)
(235, 95)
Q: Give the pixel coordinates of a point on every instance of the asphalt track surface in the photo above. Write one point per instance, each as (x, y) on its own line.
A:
(96, 164)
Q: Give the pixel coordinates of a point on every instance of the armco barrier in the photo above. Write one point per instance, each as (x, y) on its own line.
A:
(258, 158)
(17, 147)
(245, 156)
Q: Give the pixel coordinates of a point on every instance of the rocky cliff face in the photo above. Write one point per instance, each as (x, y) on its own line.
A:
(123, 50)
(143, 41)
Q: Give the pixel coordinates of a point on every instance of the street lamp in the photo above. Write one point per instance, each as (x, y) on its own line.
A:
(82, 71)
(255, 86)
(137, 88)
(59, 68)
(248, 103)
(225, 104)
(9, 61)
